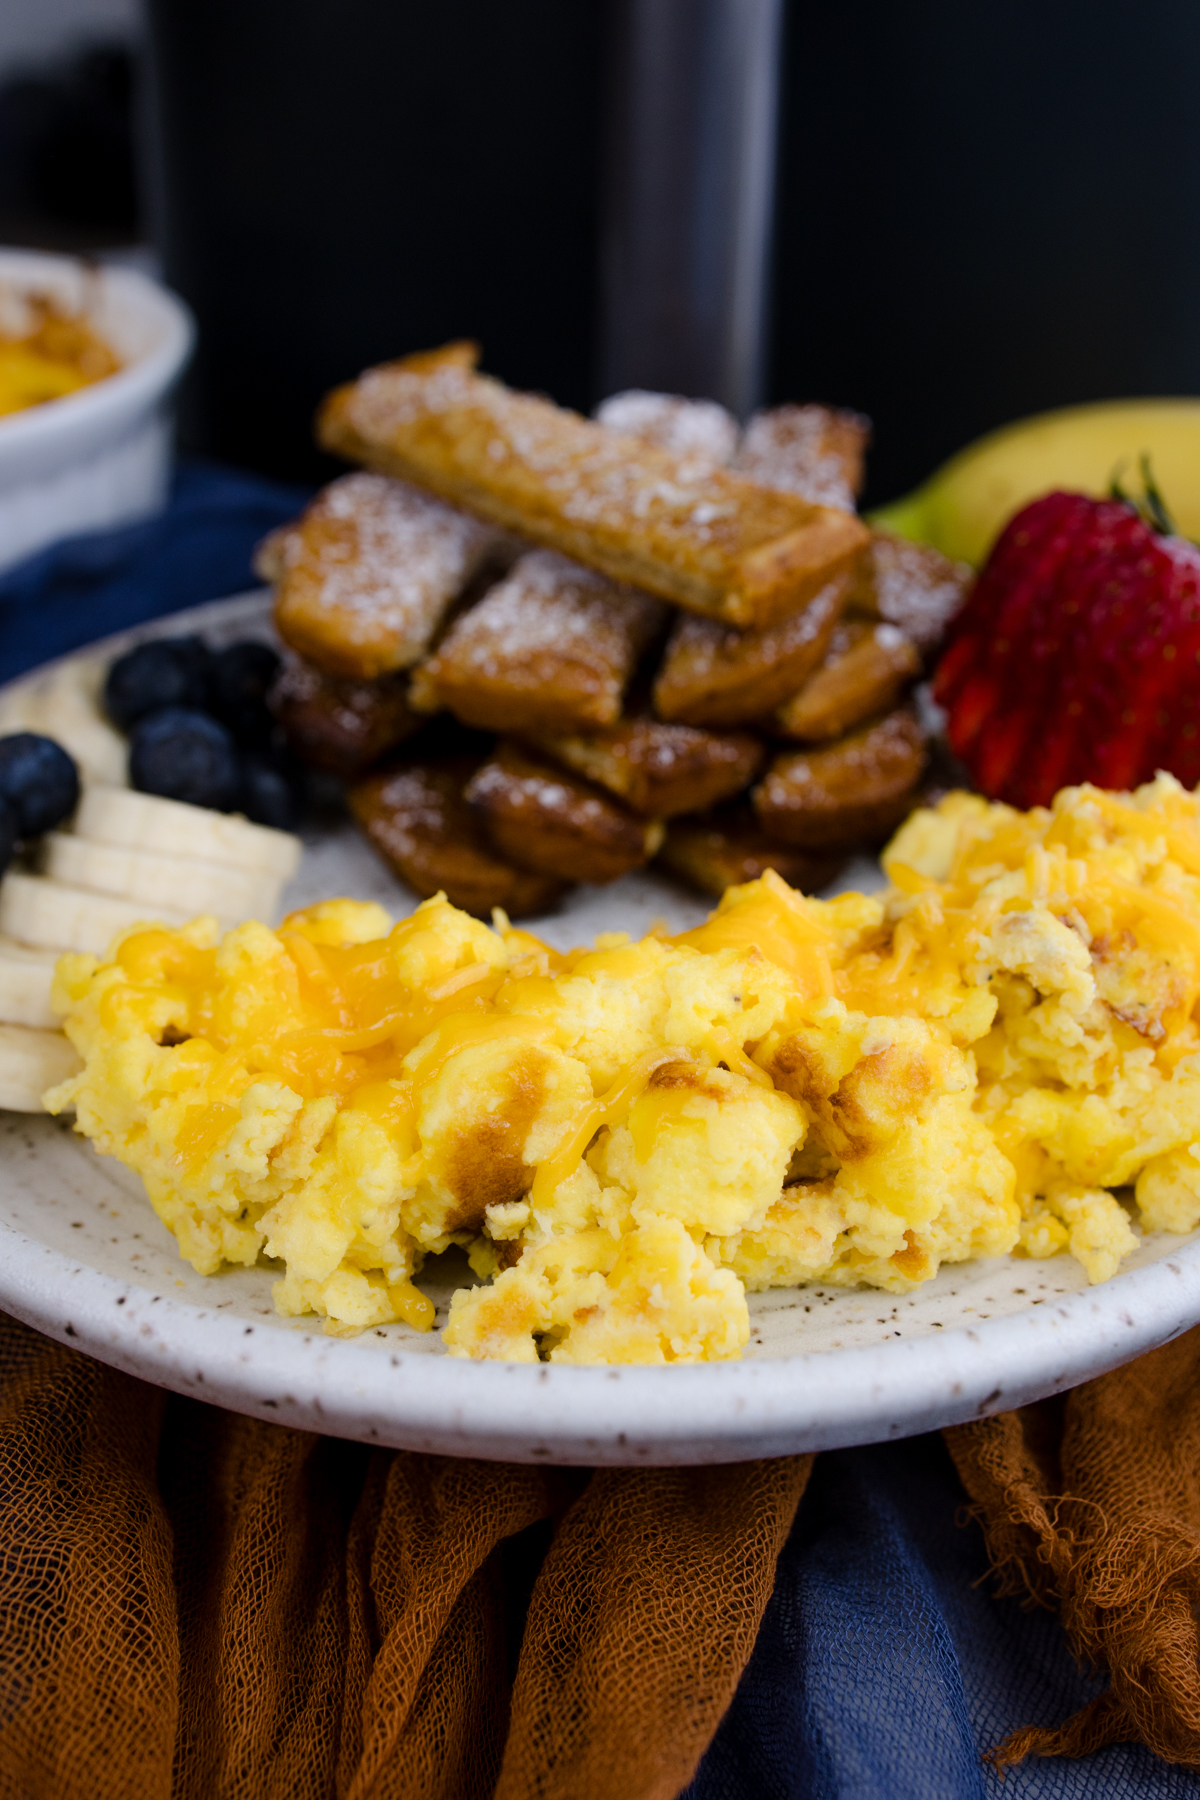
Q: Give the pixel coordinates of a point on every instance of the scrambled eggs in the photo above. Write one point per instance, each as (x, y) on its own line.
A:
(626, 1139)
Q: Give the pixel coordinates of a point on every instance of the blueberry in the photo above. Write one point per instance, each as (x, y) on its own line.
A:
(183, 754)
(38, 781)
(242, 676)
(8, 834)
(165, 672)
(272, 792)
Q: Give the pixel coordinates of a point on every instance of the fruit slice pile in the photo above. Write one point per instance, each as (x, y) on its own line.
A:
(127, 858)
(1077, 655)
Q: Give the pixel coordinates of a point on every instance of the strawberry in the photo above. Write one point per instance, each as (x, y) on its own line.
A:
(1077, 655)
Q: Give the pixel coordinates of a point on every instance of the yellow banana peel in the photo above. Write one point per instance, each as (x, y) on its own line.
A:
(962, 508)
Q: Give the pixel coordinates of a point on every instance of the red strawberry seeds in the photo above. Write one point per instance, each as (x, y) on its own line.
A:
(1077, 655)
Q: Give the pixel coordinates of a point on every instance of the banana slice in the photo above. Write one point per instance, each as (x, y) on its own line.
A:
(65, 704)
(68, 709)
(111, 815)
(30, 1062)
(152, 880)
(20, 705)
(25, 978)
(48, 913)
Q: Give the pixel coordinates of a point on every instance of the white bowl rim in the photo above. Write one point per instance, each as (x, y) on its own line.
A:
(132, 387)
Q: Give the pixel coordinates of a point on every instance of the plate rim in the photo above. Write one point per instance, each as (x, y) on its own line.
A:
(699, 1413)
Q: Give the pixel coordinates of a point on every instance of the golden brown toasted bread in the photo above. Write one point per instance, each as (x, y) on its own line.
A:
(658, 770)
(342, 725)
(544, 819)
(270, 554)
(721, 849)
(854, 790)
(710, 541)
(866, 669)
(699, 430)
(553, 644)
(910, 585)
(713, 676)
(817, 452)
(417, 819)
(364, 578)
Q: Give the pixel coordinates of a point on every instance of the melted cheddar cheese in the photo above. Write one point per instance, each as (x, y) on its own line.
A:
(999, 1052)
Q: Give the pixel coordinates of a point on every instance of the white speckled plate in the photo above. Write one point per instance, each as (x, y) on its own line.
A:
(83, 1258)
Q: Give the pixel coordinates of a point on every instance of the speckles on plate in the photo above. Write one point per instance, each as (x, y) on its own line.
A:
(71, 1222)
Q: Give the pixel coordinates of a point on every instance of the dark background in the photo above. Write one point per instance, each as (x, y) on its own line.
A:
(345, 182)
(982, 211)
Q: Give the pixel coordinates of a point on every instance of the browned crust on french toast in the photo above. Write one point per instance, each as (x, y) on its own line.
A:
(866, 669)
(553, 644)
(340, 725)
(714, 676)
(270, 553)
(539, 816)
(365, 577)
(708, 540)
(657, 769)
(726, 847)
(416, 817)
(853, 791)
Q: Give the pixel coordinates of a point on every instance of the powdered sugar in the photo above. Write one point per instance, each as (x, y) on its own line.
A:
(527, 788)
(812, 451)
(550, 608)
(659, 770)
(701, 646)
(916, 588)
(593, 477)
(383, 560)
(699, 430)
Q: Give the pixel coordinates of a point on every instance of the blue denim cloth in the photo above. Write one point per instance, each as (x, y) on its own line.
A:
(884, 1667)
(198, 549)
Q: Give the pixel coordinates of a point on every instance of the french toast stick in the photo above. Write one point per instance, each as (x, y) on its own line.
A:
(855, 790)
(658, 770)
(708, 540)
(865, 671)
(910, 585)
(415, 816)
(538, 816)
(341, 725)
(366, 575)
(695, 429)
(817, 452)
(553, 644)
(270, 553)
(728, 846)
(713, 676)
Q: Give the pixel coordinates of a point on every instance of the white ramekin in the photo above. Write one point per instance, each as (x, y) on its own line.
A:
(100, 456)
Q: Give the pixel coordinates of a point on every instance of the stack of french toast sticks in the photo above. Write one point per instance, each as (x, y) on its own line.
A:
(545, 649)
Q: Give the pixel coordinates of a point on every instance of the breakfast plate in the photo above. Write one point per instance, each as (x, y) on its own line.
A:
(84, 1259)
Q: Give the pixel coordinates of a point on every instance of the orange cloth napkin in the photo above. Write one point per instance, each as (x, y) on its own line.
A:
(199, 1606)
(1091, 1505)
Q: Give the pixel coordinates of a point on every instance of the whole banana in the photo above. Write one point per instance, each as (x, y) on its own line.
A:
(963, 506)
